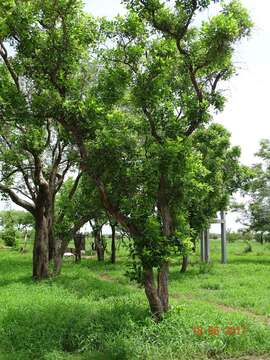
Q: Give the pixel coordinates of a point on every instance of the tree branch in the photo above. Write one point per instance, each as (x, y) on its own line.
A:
(4, 55)
(17, 200)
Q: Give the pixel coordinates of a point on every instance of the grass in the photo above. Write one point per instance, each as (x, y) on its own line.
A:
(93, 312)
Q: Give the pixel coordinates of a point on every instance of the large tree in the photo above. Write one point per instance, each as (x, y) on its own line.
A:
(135, 117)
(34, 160)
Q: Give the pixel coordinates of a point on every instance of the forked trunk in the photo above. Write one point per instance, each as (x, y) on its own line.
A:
(40, 250)
(184, 264)
(157, 295)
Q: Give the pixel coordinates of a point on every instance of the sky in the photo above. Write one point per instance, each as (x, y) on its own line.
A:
(246, 114)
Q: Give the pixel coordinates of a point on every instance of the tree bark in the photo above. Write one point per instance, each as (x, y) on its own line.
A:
(40, 250)
(41, 243)
(78, 242)
(184, 264)
(99, 246)
(113, 248)
(158, 296)
(151, 292)
(52, 244)
(60, 248)
(163, 279)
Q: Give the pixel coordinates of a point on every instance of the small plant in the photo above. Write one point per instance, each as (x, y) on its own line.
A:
(205, 268)
(211, 286)
(248, 248)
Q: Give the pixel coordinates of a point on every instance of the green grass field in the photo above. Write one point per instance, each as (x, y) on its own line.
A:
(93, 312)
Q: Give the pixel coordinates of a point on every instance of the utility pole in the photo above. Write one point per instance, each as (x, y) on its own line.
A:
(223, 238)
(206, 246)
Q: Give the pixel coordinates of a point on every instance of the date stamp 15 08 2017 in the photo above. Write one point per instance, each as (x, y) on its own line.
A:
(216, 330)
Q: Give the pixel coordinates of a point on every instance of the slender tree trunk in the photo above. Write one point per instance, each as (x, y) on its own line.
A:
(40, 250)
(184, 264)
(78, 246)
(58, 259)
(60, 248)
(99, 245)
(113, 249)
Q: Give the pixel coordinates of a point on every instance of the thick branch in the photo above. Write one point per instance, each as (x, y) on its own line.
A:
(4, 55)
(17, 200)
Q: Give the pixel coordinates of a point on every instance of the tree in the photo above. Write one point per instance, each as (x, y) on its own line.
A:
(225, 176)
(8, 233)
(34, 160)
(255, 213)
(135, 124)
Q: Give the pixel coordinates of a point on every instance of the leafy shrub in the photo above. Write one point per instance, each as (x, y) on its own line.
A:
(248, 248)
(9, 233)
(9, 236)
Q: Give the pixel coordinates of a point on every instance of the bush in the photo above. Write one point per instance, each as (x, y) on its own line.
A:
(9, 233)
(9, 237)
(205, 268)
(248, 248)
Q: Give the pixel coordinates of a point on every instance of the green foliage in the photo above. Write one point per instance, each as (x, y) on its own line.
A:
(21, 219)
(255, 212)
(8, 234)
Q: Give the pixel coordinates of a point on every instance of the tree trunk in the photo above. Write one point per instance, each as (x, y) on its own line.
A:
(40, 250)
(184, 264)
(113, 249)
(78, 238)
(50, 218)
(151, 292)
(52, 244)
(99, 246)
(158, 297)
(162, 279)
(60, 248)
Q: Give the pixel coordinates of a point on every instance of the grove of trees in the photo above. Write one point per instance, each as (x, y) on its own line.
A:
(127, 105)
